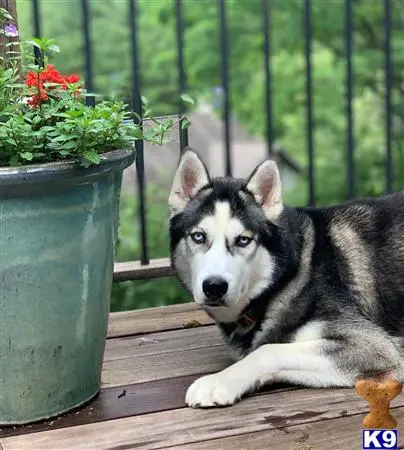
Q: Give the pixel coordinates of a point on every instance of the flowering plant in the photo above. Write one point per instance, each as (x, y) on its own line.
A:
(48, 82)
(44, 116)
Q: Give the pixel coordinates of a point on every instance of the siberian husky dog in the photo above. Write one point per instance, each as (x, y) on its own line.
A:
(307, 296)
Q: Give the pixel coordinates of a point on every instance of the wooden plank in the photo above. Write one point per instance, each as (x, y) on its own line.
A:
(141, 369)
(169, 354)
(116, 403)
(126, 401)
(165, 342)
(134, 270)
(184, 426)
(155, 319)
(336, 434)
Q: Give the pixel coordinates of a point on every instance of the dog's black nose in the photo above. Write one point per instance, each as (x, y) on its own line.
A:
(214, 288)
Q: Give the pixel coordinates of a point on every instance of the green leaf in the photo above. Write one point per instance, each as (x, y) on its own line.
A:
(136, 133)
(28, 156)
(11, 142)
(37, 120)
(165, 126)
(47, 129)
(35, 43)
(187, 99)
(4, 13)
(54, 48)
(60, 138)
(92, 157)
(68, 145)
(185, 123)
(150, 135)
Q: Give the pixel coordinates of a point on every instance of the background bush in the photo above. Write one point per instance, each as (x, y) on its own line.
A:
(158, 62)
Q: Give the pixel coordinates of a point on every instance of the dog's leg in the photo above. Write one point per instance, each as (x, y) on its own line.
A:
(303, 362)
(315, 363)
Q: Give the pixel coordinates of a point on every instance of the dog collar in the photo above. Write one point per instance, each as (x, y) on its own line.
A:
(245, 323)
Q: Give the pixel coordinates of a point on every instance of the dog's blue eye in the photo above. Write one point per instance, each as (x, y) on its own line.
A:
(242, 241)
(198, 237)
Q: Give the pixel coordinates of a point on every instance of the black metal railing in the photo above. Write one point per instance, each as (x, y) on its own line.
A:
(266, 27)
(88, 51)
(179, 9)
(388, 81)
(224, 51)
(182, 81)
(138, 109)
(309, 96)
(349, 96)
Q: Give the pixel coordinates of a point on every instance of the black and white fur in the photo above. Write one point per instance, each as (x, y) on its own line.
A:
(302, 295)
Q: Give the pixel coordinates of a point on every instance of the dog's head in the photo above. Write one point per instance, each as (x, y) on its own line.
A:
(224, 234)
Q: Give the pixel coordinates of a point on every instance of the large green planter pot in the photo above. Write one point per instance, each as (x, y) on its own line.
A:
(58, 225)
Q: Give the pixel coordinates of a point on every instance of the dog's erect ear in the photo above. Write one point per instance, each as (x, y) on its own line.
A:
(191, 176)
(265, 184)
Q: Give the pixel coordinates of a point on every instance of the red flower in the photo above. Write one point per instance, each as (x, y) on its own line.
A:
(31, 79)
(36, 99)
(74, 78)
(48, 80)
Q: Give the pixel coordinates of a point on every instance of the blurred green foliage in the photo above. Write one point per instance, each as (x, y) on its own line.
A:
(145, 293)
(158, 59)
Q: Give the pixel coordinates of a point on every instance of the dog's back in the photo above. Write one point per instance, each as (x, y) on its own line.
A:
(363, 241)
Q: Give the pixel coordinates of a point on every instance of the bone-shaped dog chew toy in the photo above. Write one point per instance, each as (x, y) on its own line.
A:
(379, 394)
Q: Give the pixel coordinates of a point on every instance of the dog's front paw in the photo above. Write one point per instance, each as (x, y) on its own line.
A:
(212, 390)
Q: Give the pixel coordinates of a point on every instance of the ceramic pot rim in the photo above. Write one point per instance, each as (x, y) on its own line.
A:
(113, 161)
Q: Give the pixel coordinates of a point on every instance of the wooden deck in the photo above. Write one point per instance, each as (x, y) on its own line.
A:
(151, 359)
